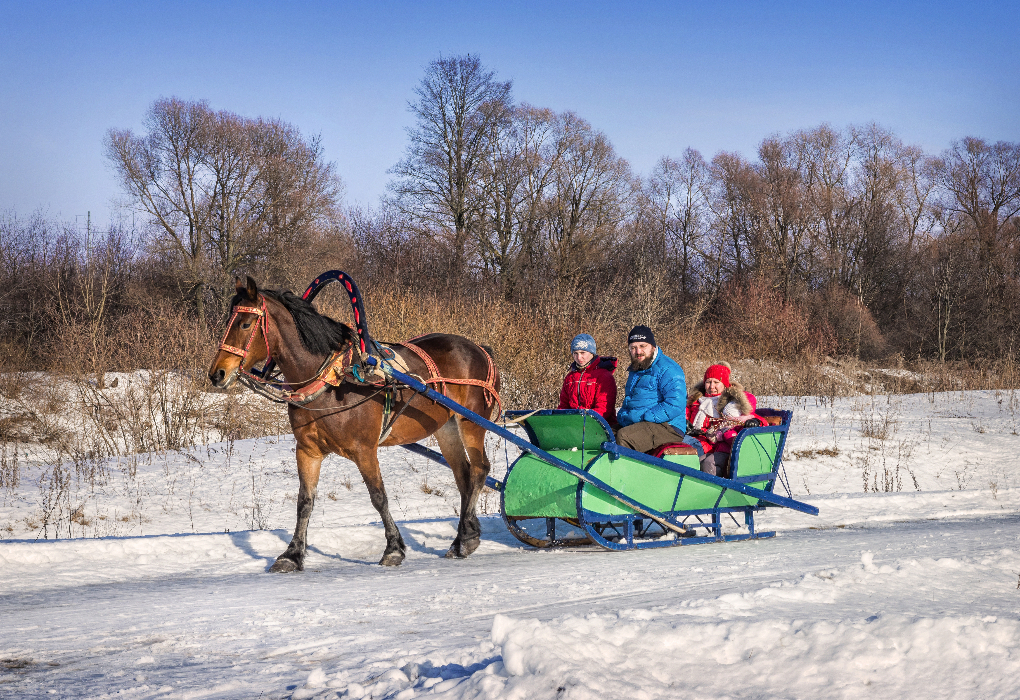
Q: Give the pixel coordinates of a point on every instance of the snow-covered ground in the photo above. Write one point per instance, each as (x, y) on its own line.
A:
(907, 585)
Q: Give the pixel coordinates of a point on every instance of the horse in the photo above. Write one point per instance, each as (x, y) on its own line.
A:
(348, 419)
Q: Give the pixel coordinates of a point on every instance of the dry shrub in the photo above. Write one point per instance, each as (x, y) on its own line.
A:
(161, 337)
(531, 343)
(754, 321)
(853, 328)
(15, 356)
(156, 336)
(243, 415)
(12, 384)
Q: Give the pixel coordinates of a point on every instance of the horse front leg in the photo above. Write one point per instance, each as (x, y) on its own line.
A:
(368, 465)
(309, 462)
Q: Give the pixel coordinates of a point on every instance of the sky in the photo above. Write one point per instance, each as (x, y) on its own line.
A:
(655, 77)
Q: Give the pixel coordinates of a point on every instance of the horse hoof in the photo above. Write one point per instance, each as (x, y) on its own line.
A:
(392, 558)
(285, 566)
(461, 549)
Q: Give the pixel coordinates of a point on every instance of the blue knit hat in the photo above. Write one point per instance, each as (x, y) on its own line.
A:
(582, 341)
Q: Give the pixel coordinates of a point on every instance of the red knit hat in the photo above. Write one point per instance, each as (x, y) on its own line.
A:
(720, 372)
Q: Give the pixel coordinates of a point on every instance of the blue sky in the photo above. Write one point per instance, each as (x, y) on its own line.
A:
(656, 77)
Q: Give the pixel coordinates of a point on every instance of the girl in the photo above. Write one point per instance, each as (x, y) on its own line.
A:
(716, 411)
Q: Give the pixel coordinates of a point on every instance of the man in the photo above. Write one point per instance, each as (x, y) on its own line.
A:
(654, 409)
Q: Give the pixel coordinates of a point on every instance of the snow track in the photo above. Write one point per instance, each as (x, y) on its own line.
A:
(865, 611)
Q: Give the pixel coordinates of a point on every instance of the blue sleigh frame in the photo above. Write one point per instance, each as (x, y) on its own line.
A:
(629, 529)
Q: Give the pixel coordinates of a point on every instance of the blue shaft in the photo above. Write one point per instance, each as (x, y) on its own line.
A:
(418, 386)
(437, 457)
(711, 479)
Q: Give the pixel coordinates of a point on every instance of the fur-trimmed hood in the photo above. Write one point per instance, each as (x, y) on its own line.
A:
(734, 393)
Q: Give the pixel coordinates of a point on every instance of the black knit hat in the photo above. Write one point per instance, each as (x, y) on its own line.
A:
(641, 334)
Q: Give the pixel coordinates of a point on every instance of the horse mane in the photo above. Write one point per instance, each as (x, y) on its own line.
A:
(319, 334)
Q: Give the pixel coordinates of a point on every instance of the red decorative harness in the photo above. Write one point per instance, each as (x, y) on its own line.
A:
(336, 366)
(489, 385)
(259, 311)
(331, 372)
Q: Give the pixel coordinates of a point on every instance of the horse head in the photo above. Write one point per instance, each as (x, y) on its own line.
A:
(239, 350)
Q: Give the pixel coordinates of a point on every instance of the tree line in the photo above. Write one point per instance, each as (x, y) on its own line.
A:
(827, 241)
(878, 246)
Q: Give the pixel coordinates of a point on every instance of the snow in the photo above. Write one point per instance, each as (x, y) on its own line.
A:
(162, 590)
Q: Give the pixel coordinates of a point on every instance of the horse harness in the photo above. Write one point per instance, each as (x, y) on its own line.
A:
(348, 365)
(259, 311)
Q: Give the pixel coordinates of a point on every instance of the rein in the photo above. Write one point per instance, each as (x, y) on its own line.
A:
(336, 366)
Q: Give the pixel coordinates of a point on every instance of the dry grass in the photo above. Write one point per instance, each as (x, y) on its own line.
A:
(532, 349)
(81, 418)
(816, 452)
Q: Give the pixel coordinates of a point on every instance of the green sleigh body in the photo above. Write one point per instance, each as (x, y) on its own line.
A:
(535, 492)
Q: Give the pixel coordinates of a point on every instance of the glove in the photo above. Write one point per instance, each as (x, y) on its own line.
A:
(752, 423)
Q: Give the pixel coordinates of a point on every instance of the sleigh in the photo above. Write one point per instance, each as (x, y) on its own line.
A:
(573, 484)
(544, 505)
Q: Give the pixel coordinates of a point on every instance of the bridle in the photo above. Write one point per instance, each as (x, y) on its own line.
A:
(340, 363)
(262, 383)
(262, 324)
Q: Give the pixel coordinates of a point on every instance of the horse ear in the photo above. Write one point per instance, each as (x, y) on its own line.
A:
(253, 289)
(239, 287)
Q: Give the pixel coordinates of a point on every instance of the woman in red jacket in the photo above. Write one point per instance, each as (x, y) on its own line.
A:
(589, 382)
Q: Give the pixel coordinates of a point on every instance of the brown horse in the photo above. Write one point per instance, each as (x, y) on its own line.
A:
(348, 420)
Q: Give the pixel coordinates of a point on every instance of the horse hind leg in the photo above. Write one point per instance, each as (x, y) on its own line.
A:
(463, 445)
(293, 558)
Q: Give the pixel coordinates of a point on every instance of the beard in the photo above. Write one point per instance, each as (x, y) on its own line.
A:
(639, 365)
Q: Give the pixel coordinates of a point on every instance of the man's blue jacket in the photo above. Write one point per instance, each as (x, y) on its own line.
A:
(656, 395)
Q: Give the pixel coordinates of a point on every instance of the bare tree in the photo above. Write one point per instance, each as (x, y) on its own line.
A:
(917, 178)
(981, 186)
(824, 158)
(983, 183)
(587, 201)
(516, 172)
(677, 191)
(734, 188)
(785, 214)
(458, 107)
(221, 191)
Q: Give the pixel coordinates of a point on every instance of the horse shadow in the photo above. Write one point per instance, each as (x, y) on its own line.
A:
(417, 538)
(493, 530)
(244, 542)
